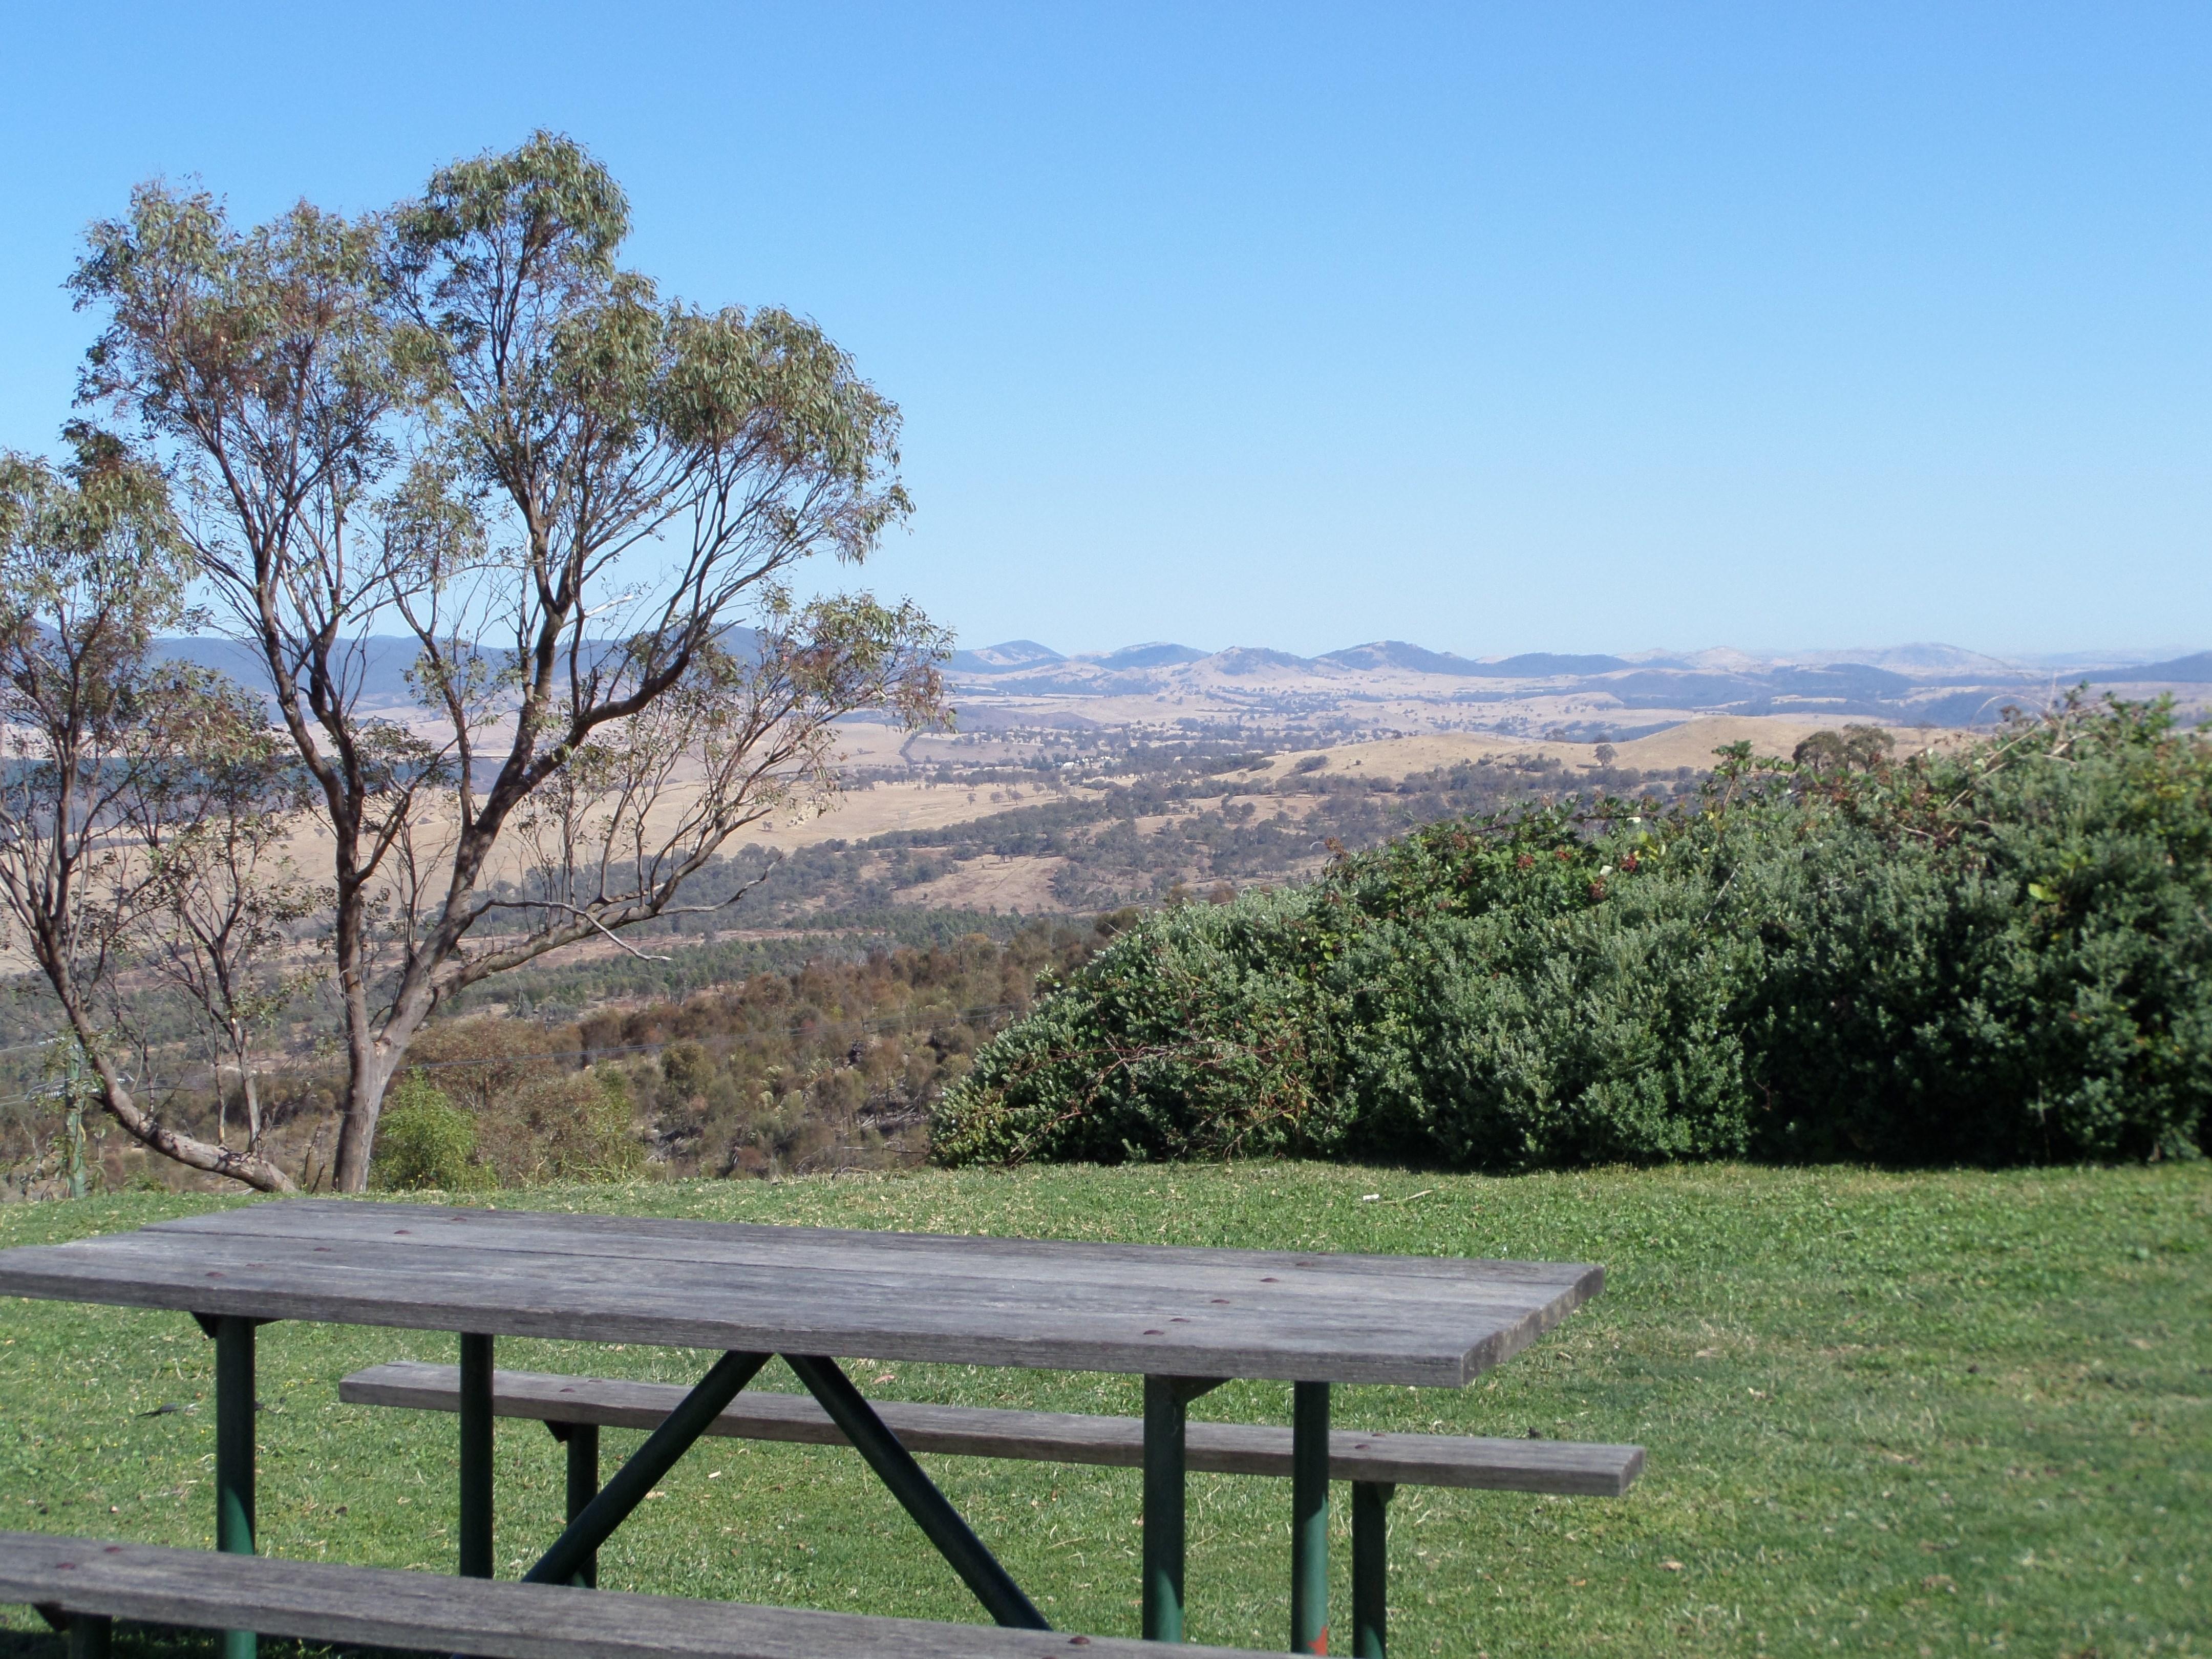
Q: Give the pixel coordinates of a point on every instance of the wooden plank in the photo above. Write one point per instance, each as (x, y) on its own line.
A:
(935, 1265)
(1134, 1310)
(1259, 1307)
(1269, 1299)
(837, 1264)
(582, 1301)
(749, 1243)
(319, 1601)
(1559, 1467)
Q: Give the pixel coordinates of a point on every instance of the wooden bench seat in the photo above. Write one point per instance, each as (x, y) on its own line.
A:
(83, 1583)
(1559, 1467)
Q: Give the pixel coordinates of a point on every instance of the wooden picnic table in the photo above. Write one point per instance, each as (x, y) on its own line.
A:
(1185, 1319)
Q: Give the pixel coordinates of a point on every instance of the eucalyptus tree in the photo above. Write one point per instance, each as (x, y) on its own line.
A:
(221, 908)
(260, 365)
(91, 571)
(585, 503)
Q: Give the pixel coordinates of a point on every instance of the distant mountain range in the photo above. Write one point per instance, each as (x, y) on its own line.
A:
(1944, 684)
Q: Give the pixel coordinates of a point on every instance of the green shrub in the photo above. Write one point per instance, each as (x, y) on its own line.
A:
(532, 1119)
(573, 1126)
(1189, 1035)
(686, 1068)
(1996, 953)
(2001, 956)
(423, 1141)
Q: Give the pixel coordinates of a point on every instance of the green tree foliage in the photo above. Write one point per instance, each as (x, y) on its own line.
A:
(1993, 953)
(429, 1144)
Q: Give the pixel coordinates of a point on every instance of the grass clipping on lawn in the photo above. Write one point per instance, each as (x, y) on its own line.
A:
(1919, 1413)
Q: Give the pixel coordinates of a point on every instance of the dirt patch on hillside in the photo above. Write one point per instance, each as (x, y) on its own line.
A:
(993, 883)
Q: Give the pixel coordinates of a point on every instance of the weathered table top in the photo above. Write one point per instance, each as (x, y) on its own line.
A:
(1160, 1309)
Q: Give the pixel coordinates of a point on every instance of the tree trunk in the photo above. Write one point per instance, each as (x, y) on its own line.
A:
(365, 1075)
(375, 1059)
(364, 1104)
(255, 1170)
(374, 1052)
(249, 1093)
(252, 1106)
(251, 1168)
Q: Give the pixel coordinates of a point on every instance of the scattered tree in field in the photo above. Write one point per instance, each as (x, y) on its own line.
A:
(1854, 749)
(91, 570)
(583, 502)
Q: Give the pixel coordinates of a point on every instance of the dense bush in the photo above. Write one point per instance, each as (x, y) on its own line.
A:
(535, 1118)
(425, 1142)
(832, 1067)
(1994, 952)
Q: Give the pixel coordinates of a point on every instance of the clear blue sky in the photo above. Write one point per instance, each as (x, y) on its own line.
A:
(1588, 327)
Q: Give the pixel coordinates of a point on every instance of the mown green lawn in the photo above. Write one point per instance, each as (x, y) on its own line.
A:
(1916, 1413)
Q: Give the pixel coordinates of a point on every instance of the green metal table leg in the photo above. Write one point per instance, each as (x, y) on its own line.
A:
(1370, 1565)
(582, 1440)
(1310, 1517)
(931, 1510)
(636, 1478)
(475, 1457)
(1167, 1400)
(234, 1455)
(91, 1636)
(1165, 1418)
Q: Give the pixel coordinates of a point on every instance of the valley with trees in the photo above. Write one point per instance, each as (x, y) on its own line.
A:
(411, 707)
(845, 831)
